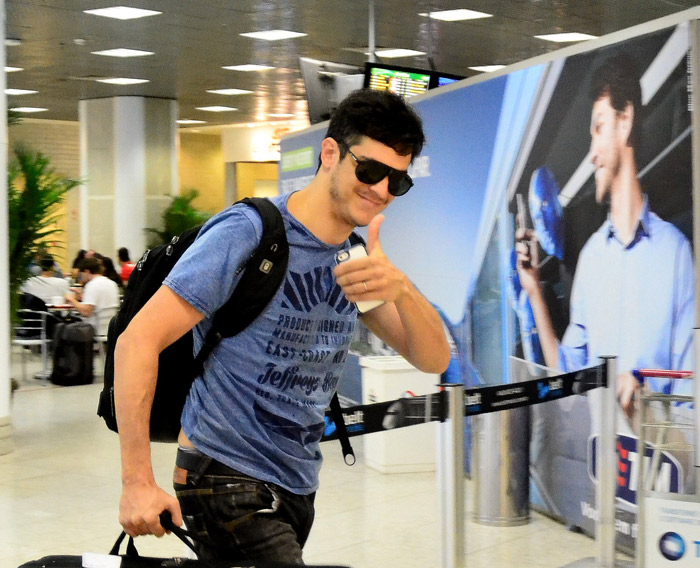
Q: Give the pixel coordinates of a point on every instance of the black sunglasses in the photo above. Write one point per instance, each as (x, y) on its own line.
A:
(371, 171)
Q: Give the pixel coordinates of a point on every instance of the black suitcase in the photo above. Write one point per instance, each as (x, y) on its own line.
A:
(73, 354)
(132, 559)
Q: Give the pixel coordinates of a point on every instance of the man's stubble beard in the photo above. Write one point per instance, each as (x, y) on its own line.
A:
(340, 209)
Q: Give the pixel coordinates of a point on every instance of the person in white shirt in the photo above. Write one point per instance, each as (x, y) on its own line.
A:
(46, 285)
(99, 294)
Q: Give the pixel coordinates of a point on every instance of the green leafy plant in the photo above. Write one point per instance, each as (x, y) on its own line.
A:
(178, 217)
(34, 191)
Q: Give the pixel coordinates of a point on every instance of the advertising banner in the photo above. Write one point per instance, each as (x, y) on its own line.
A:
(551, 224)
(602, 262)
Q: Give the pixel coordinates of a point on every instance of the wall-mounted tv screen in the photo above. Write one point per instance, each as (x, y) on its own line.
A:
(327, 84)
(405, 81)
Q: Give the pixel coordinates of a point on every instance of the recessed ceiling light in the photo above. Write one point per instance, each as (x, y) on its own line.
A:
(229, 92)
(248, 67)
(566, 37)
(216, 108)
(122, 12)
(456, 15)
(190, 121)
(28, 109)
(273, 35)
(487, 68)
(20, 92)
(122, 52)
(122, 81)
(280, 115)
(12, 42)
(13, 69)
(390, 53)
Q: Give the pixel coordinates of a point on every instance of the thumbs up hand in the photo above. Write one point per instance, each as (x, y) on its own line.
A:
(373, 277)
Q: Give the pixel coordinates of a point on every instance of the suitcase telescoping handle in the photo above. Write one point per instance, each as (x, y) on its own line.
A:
(166, 522)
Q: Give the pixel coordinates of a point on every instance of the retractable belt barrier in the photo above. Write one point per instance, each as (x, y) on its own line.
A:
(410, 411)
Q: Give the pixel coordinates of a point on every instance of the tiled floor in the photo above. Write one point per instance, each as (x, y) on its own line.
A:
(59, 493)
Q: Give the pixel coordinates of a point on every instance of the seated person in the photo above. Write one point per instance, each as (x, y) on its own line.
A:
(111, 272)
(127, 266)
(46, 285)
(99, 294)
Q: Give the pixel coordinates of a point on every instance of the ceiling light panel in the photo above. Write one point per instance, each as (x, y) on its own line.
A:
(487, 68)
(122, 12)
(122, 52)
(273, 35)
(20, 92)
(13, 69)
(249, 67)
(216, 108)
(28, 109)
(190, 121)
(457, 15)
(229, 92)
(122, 81)
(394, 53)
(566, 37)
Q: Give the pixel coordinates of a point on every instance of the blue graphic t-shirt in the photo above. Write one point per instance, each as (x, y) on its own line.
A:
(260, 404)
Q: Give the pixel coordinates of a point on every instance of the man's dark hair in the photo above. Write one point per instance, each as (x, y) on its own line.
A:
(380, 115)
(618, 78)
(91, 264)
(123, 254)
(46, 262)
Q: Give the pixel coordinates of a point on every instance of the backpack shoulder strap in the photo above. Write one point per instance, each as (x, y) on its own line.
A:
(356, 239)
(263, 272)
(262, 275)
(336, 410)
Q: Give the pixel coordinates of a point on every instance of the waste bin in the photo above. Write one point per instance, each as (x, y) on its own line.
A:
(500, 467)
(410, 449)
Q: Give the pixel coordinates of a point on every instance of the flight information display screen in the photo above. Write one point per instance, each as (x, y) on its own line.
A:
(404, 83)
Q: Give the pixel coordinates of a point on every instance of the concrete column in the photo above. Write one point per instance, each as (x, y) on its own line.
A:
(5, 421)
(129, 164)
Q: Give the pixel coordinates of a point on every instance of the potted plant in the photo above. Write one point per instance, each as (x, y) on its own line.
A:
(178, 217)
(34, 191)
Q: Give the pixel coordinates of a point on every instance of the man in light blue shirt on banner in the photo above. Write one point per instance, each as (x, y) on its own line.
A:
(632, 294)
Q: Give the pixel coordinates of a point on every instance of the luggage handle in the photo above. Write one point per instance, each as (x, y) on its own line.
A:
(166, 522)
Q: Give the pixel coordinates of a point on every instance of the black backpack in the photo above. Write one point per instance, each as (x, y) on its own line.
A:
(177, 367)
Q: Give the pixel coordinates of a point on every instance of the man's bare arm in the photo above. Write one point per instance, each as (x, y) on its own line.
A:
(163, 320)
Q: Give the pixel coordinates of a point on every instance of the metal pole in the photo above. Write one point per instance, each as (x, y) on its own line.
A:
(606, 466)
(695, 120)
(696, 406)
(371, 41)
(642, 484)
(450, 477)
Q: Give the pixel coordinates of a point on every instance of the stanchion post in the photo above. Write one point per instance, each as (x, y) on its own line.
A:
(450, 477)
(696, 405)
(606, 467)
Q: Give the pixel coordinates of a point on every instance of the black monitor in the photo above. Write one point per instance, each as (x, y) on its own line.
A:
(405, 81)
(327, 84)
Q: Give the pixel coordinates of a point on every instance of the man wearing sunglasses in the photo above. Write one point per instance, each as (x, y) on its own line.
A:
(247, 467)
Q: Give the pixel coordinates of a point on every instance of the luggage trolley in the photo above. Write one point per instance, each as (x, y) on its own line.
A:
(652, 551)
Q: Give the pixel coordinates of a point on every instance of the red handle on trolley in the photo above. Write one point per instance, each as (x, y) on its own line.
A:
(641, 374)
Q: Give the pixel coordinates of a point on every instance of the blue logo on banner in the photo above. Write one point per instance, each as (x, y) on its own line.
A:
(330, 426)
(672, 546)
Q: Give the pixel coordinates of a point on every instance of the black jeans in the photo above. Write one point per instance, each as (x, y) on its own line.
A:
(239, 518)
